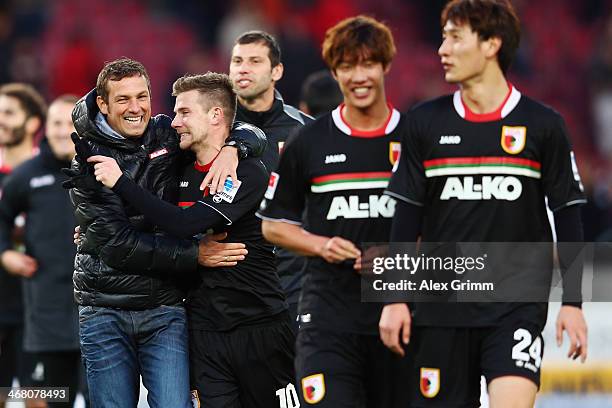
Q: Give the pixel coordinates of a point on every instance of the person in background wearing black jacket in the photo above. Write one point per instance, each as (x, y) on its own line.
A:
(132, 319)
(22, 114)
(255, 67)
(51, 318)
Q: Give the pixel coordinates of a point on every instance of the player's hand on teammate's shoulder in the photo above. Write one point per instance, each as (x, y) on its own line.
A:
(571, 320)
(214, 254)
(394, 327)
(337, 249)
(224, 166)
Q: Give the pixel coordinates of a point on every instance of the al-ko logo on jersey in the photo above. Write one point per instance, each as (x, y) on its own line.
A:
(229, 191)
(355, 206)
(430, 382)
(482, 178)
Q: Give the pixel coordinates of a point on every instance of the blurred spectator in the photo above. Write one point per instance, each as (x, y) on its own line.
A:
(51, 318)
(22, 114)
(320, 94)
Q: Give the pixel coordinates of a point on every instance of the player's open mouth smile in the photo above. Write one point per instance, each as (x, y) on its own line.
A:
(361, 91)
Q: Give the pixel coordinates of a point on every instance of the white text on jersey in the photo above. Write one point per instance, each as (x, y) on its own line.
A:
(493, 187)
(449, 139)
(376, 206)
(335, 158)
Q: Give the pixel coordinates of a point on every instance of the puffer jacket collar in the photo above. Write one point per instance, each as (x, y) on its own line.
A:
(84, 115)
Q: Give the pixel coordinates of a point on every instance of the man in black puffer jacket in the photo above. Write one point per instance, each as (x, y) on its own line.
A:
(132, 319)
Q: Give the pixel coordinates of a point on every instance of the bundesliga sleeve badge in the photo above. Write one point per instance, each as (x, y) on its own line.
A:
(513, 139)
(229, 191)
(430, 382)
(313, 388)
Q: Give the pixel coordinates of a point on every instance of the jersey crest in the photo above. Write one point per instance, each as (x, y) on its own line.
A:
(430, 382)
(513, 139)
(313, 388)
(395, 149)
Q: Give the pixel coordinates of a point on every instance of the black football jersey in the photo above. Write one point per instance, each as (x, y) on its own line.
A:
(248, 293)
(484, 178)
(337, 175)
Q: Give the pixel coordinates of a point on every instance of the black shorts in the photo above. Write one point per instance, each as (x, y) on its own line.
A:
(450, 361)
(11, 355)
(56, 369)
(247, 367)
(339, 370)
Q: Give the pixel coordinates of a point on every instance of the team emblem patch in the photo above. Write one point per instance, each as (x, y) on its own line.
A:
(394, 152)
(272, 183)
(195, 399)
(430, 382)
(229, 191)
(313, 388)
(513, 139)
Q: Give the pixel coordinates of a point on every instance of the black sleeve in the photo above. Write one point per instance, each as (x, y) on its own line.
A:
(560, 177)
(108, 233)
(568, 225)
(287, 187)
(14, 201)
(406, 225)
(182, 223)
(251, 140)
(408, 180)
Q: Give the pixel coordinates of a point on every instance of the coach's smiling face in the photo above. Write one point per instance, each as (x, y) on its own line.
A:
(128, 109)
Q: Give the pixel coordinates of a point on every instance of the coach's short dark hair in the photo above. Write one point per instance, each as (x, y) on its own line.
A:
(117, 70)
(357, 39)
(30, 99)
(489, 19)
(261, 37)
(215, 89)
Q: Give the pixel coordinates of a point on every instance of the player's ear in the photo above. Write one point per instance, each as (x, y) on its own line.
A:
(215, 115)
(333, 73)
(33, 124)
(102, 105)
(277, 72)
(387, 68)
(492, 46)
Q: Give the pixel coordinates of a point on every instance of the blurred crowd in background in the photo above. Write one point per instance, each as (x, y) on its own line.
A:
(565, 57)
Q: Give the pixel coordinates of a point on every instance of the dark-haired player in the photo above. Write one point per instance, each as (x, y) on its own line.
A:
(477, 166)
(335, 171)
